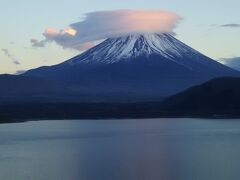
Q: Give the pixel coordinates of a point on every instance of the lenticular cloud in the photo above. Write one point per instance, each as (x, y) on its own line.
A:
(105, 24)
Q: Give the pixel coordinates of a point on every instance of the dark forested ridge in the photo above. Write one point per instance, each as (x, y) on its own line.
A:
(218, 98)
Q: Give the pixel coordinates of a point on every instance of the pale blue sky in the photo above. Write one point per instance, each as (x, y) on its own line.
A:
(23, 20)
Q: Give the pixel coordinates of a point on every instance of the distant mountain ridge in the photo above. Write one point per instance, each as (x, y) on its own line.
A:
(134, 67)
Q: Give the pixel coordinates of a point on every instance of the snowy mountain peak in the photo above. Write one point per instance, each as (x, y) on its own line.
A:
(124, 48)
(143, 67)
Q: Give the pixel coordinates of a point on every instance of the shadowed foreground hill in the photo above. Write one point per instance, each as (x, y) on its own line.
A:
(219, 97)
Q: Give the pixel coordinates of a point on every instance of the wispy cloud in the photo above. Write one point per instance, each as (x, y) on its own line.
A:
(15, 61)
(230, 25)
(6, 52)
(105, 24)
(10, 56)
(231, 62)
(37, 43)
(18, 72)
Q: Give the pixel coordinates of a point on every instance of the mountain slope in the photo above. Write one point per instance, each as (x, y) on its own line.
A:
(144, 67)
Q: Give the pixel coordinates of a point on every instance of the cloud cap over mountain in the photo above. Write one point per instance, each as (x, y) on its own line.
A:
(124, 22)
(105, 24)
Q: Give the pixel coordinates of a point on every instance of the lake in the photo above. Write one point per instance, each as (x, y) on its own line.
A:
(149, 149)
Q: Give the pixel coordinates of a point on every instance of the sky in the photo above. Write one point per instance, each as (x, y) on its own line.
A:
(37, 33)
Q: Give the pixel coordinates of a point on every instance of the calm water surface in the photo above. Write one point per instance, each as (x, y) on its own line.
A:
(150, 149)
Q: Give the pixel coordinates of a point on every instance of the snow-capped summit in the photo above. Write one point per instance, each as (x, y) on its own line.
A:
(123, 48)
(148, 67)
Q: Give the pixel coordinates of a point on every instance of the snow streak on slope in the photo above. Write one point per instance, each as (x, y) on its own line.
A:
(114, 50)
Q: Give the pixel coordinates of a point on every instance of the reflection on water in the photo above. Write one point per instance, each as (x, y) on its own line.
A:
(151, 149)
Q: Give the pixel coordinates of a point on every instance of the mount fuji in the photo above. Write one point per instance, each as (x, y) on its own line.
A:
(139, 67)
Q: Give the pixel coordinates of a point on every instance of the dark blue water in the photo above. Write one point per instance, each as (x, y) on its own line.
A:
(159, 149)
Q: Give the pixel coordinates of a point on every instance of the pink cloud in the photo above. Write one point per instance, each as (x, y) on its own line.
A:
(104, 24)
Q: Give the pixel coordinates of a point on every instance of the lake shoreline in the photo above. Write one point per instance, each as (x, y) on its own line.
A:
(18, 112)
(113, 119)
